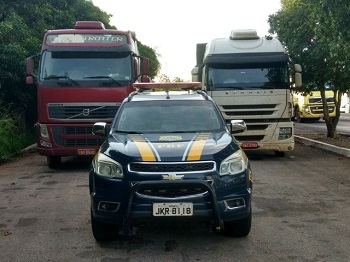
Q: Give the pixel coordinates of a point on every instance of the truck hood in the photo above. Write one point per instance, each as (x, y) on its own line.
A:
(168, 147)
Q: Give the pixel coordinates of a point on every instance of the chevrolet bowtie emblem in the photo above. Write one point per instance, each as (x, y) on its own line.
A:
(172, 177)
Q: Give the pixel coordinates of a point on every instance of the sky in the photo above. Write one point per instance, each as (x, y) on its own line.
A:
(173, 28)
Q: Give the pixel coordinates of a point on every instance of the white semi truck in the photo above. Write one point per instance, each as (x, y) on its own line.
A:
(249, 78)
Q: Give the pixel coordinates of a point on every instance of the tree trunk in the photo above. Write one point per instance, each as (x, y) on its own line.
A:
(331, 122)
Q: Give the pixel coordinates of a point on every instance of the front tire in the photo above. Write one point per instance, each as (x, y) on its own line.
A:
(298, 116)
(280, 153)
(53, 162)
(103, 232)
(238, 228)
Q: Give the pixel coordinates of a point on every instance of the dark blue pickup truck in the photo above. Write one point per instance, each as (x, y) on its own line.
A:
(169, 155)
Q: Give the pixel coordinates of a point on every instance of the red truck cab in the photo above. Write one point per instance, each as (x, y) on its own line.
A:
(83, 75)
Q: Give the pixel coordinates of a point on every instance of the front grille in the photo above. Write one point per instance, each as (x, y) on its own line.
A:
(249, 138)
(78, 130)
(172, 192)
(66, 111)
(319, 109)
(170, 167)
(248, 110)
(83, 142)
(60, 131)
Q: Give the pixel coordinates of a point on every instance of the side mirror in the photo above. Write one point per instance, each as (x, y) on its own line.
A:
(101, 129)
(237, 126)
(298, 80)
(30, 78)
(195, 74)
(145, 79)
(297, 77)
(144, 66)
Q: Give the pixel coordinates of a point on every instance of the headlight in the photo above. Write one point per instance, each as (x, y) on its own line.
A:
(43, 131)
(234, 164)
(107, 167)
(284, 133)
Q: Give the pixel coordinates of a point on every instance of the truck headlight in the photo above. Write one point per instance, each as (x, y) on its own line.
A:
(43, 131)
(284, 133)
(234, 164)
(107, 167)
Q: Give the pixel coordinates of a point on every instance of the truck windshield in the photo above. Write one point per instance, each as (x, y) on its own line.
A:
(267, 76)
(87, 66)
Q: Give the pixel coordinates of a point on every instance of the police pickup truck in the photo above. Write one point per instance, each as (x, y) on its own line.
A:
(169, 155)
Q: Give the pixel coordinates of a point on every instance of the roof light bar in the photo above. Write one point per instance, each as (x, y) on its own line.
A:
(168, 85)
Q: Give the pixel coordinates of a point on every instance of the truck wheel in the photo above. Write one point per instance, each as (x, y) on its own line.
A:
(53, 162)
(103, 232)
(238, 228)
(280, 153)
(297, 115)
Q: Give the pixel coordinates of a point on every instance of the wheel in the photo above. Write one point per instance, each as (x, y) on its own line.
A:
(53, 162)
(280, 153)
(238, 228)
(103, 232)
(297, 116)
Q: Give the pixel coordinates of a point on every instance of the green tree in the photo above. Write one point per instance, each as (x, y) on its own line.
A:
(152, 55)
(316, 36)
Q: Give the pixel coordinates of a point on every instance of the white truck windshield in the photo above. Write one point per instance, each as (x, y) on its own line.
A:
(264, 77)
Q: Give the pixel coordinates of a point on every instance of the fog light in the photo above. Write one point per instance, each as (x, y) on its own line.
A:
(45, 144)
(108, 206)
(234, 203)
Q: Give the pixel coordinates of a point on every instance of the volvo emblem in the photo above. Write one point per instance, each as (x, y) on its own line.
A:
(86, 112)
(172, 176)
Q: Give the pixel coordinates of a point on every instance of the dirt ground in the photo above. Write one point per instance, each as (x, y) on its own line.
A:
(340, 140)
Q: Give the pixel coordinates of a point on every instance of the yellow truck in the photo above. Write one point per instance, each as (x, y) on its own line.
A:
(310, 107)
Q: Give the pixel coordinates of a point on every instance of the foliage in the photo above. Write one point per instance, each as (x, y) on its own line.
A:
(13, 135)
(151, 54)
(315, 35)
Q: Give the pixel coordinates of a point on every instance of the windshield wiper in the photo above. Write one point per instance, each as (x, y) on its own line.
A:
(58, 77)
(108, 77)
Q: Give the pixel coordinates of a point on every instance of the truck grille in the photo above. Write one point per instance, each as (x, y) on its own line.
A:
(78, 131)
(96, 111)
(319, 109)
(171, 167)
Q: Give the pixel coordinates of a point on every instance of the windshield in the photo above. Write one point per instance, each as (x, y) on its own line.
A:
(86, 66)
(266, 76)
(168, 117)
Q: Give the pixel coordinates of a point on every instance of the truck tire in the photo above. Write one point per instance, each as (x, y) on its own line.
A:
(103, 232)
(280, 153)
(238, 228)
(297, 116)
(53, 162)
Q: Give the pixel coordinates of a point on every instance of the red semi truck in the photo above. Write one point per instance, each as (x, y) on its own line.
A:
(82, 77)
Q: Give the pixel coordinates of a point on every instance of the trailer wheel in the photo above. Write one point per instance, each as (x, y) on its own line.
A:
(53, 162)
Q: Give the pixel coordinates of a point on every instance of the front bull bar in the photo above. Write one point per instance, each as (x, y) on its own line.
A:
(218, 224)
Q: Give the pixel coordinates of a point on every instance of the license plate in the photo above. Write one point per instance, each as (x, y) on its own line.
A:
(249, 145)
(86, 152)
(172, 209)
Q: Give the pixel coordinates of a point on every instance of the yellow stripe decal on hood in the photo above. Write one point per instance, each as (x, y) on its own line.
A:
(197, 147)
(144, 148)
